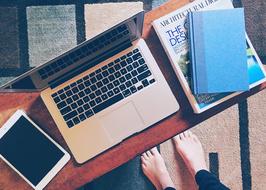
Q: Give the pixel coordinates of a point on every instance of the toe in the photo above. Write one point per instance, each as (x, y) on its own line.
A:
(177, 139)
(145, 156)
(186, 134)
(149, 153)
(182, 136)
(154, 151)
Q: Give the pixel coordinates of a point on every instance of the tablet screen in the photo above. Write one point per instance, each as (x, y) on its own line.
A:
(29, 151)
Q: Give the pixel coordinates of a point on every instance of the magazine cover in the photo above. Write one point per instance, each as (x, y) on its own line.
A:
(172, 32)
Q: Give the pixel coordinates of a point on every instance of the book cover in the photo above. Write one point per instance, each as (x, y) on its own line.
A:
(218, 51)
(172, 32)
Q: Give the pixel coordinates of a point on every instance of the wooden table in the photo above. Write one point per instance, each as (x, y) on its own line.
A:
(73, 175)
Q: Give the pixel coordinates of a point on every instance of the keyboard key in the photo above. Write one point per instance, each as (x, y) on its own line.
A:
(140, 87)
(92, 95)
(75, 90)
(111, 78)
(65, 110)
(92, 103)
(104, 97)
(144, 75)
(123, 63)
(75, 97)
(86, 99)
(142, 68)
(79, 81)
(136, 50)
(99, 76)
(87, 90)
(111, 64)
(136, 56)
(62, 96)
(98, 100)
(104, 67)
(98, 71)
(86, 78)
(110, 86)
(116, 90)
(117, 67)
(80, 102)
(67, 88)
(129, 68)
(129, 60)
(98, 92)
(56, 99)
(54, 95)
(88, 113)
(82, 117)
(117, 60)
(99, 84)
(107, 103)
(87, 83)
(105, 81)
(92, 74)
(145, 82)
(73, 84)
(93, 80)
(128, 84)
(152, 81)
(129, 54)
(93, 87)
(117, 74)
(76, 120)
(122, 87)
(141, 61)
(60, 91)
(133, 89)
(104, 89)
(122, 79)
(61, 104)
(86, 106)
(135, 64)
(123, 71)
(134, 73)
(69, 100)
(80, 110)
(134, 80)
(81, 94)
(126, 93)
(70, 124)
(128, 76)
(116, 83)
(105, 73)
(110, 93)
(123, 57)
(70, 115)
(74, 105)
(69, 93)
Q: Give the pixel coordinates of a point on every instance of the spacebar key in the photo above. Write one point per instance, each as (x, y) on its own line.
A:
(107, 103)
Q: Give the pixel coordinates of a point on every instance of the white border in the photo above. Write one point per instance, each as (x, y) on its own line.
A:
(58, 166)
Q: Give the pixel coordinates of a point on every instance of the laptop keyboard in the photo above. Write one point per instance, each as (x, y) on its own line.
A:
(103, 88)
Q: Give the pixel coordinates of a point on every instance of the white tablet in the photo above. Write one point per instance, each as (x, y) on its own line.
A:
(29, 151)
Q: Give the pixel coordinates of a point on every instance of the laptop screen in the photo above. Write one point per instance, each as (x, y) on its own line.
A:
(82, 57)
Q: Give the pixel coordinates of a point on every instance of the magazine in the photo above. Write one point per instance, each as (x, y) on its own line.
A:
(172, 32)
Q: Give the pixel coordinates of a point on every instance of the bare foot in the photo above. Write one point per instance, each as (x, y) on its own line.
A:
(189, 147)
(154, 168)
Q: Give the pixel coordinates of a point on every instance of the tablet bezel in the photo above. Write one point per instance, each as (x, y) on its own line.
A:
(57, 167)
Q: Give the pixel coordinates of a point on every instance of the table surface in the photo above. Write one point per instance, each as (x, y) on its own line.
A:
(73, 175)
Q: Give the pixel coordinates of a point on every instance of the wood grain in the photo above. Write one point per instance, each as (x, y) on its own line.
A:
(73, 175)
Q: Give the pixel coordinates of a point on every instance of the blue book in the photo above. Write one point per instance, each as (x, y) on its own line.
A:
(218, 51)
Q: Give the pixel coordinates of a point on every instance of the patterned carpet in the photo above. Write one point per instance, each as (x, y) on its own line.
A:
(32, 32)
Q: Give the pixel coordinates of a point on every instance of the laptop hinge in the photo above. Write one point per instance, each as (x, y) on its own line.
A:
(89, 64)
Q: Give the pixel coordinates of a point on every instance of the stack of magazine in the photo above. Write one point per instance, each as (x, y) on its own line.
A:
(173, 34)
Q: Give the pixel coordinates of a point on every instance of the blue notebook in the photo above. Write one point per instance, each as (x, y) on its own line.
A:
(218, 51)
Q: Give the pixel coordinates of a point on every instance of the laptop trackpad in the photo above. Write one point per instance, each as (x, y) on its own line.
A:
(122, 122)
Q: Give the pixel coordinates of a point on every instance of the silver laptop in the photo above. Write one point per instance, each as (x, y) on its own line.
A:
(104, 90)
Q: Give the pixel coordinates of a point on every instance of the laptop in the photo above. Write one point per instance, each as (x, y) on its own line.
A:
(103, 90)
